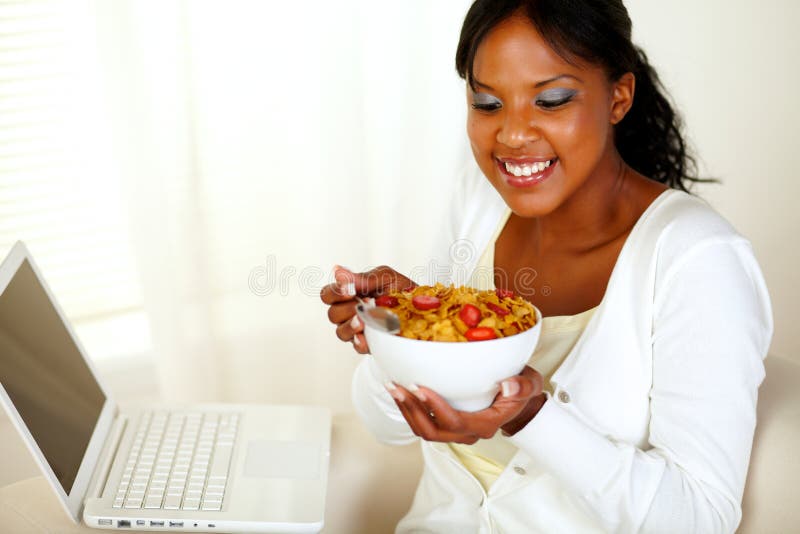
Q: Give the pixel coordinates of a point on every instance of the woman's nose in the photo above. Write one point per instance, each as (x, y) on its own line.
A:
(518, 129)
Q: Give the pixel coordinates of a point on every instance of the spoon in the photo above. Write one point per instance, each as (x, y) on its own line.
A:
(377, 317)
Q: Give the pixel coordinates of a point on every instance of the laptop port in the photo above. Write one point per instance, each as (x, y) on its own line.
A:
(211, 525)
(156, 523)
(123, 523)
(176, 523)
(140, 522)
(105, 522)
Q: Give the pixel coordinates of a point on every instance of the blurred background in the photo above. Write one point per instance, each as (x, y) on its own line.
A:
(186, 173)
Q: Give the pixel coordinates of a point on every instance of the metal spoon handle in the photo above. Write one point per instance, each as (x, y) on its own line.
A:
(377, 317)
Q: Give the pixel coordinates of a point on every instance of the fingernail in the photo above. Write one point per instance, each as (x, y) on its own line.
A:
(393, 391)
(340, 274)
(357, 341)
(413, 388)
(349, 289)
(509, 388)
(355, 324)
(337, 266)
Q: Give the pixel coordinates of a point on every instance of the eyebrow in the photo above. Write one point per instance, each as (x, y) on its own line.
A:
(559, 77)
(537, 85)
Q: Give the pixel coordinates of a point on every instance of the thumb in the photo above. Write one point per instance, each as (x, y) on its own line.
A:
(368, 282)
(359, 281)
(529, 383)
(343, 275)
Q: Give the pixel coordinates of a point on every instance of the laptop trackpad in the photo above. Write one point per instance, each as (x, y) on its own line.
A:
(282, 459)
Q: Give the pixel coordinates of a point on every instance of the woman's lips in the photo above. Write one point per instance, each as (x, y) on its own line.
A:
(526, 173)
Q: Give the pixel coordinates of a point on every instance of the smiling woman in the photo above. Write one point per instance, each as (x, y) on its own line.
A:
(636, 411)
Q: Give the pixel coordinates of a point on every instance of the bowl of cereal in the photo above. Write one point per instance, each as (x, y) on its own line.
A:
(459, 342)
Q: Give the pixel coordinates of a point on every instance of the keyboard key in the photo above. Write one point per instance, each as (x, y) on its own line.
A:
(172, 502)
(211, 505)
(152, 503)
(217, 482)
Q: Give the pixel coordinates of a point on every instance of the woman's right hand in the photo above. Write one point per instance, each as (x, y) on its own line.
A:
(341, 297)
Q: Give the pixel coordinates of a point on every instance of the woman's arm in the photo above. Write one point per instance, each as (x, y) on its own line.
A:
(712, 326)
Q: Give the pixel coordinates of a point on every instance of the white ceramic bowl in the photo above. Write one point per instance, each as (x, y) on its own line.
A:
(467, 374)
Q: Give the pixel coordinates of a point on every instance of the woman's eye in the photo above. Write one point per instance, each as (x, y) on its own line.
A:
(486, 107)
(484, 102)
(554, 98)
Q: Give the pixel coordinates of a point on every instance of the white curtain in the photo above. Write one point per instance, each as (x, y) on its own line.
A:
(260, 143)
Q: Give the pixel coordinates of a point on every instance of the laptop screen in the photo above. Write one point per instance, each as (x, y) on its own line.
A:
(46, 376)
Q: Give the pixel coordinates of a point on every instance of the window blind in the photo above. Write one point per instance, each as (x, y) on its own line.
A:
(60, 188)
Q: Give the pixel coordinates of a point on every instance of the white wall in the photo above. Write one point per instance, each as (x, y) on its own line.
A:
(732, 66)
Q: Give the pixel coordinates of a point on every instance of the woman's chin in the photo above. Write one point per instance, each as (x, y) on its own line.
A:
(529, 204)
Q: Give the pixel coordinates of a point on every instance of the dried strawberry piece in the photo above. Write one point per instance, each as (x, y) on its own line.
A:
(387, 301)
(481, 333)
(470, 314)
(499, 310)
(425, 302)
(504, 293)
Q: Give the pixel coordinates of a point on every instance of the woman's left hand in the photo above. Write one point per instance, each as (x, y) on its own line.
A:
(433, 419)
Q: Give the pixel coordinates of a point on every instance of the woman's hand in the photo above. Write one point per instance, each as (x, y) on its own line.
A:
(341, 298)
(432, 419)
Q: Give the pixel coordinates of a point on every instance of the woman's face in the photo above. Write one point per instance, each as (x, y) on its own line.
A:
(539, 127)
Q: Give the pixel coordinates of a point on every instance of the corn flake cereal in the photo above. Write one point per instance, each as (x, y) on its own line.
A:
(448, 313)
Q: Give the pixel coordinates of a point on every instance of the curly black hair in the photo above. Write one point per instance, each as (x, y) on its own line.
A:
(650, 137)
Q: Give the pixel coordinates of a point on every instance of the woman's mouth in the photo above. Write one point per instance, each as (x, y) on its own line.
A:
(526, 172)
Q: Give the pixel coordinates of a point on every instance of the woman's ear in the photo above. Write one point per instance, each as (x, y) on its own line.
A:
(622, 97)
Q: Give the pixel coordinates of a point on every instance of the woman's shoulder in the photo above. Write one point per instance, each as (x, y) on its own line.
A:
(680, 221)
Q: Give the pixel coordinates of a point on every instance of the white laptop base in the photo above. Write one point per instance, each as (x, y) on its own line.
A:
(275, 482)
(198, 468)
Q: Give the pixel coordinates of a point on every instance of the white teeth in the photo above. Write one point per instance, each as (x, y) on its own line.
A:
(527, 170)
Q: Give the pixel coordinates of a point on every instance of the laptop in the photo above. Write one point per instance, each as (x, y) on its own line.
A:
(186, 468)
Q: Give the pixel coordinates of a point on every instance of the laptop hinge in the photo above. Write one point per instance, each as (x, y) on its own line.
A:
(103, 468)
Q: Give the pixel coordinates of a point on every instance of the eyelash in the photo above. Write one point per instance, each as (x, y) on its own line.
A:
(552, 104)
(544, 104)
(486, 107)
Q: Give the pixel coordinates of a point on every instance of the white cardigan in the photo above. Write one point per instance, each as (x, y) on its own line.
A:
(651, 422)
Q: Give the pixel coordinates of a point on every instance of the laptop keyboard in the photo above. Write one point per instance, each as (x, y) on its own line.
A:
(178, 461)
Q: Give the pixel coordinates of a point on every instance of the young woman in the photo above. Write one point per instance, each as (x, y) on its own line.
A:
(637, 410)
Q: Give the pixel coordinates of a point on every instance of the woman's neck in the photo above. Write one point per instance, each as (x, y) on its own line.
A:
(599, 211)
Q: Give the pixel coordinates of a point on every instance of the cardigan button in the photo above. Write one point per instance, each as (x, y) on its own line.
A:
(519, 470)
(563, 396)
